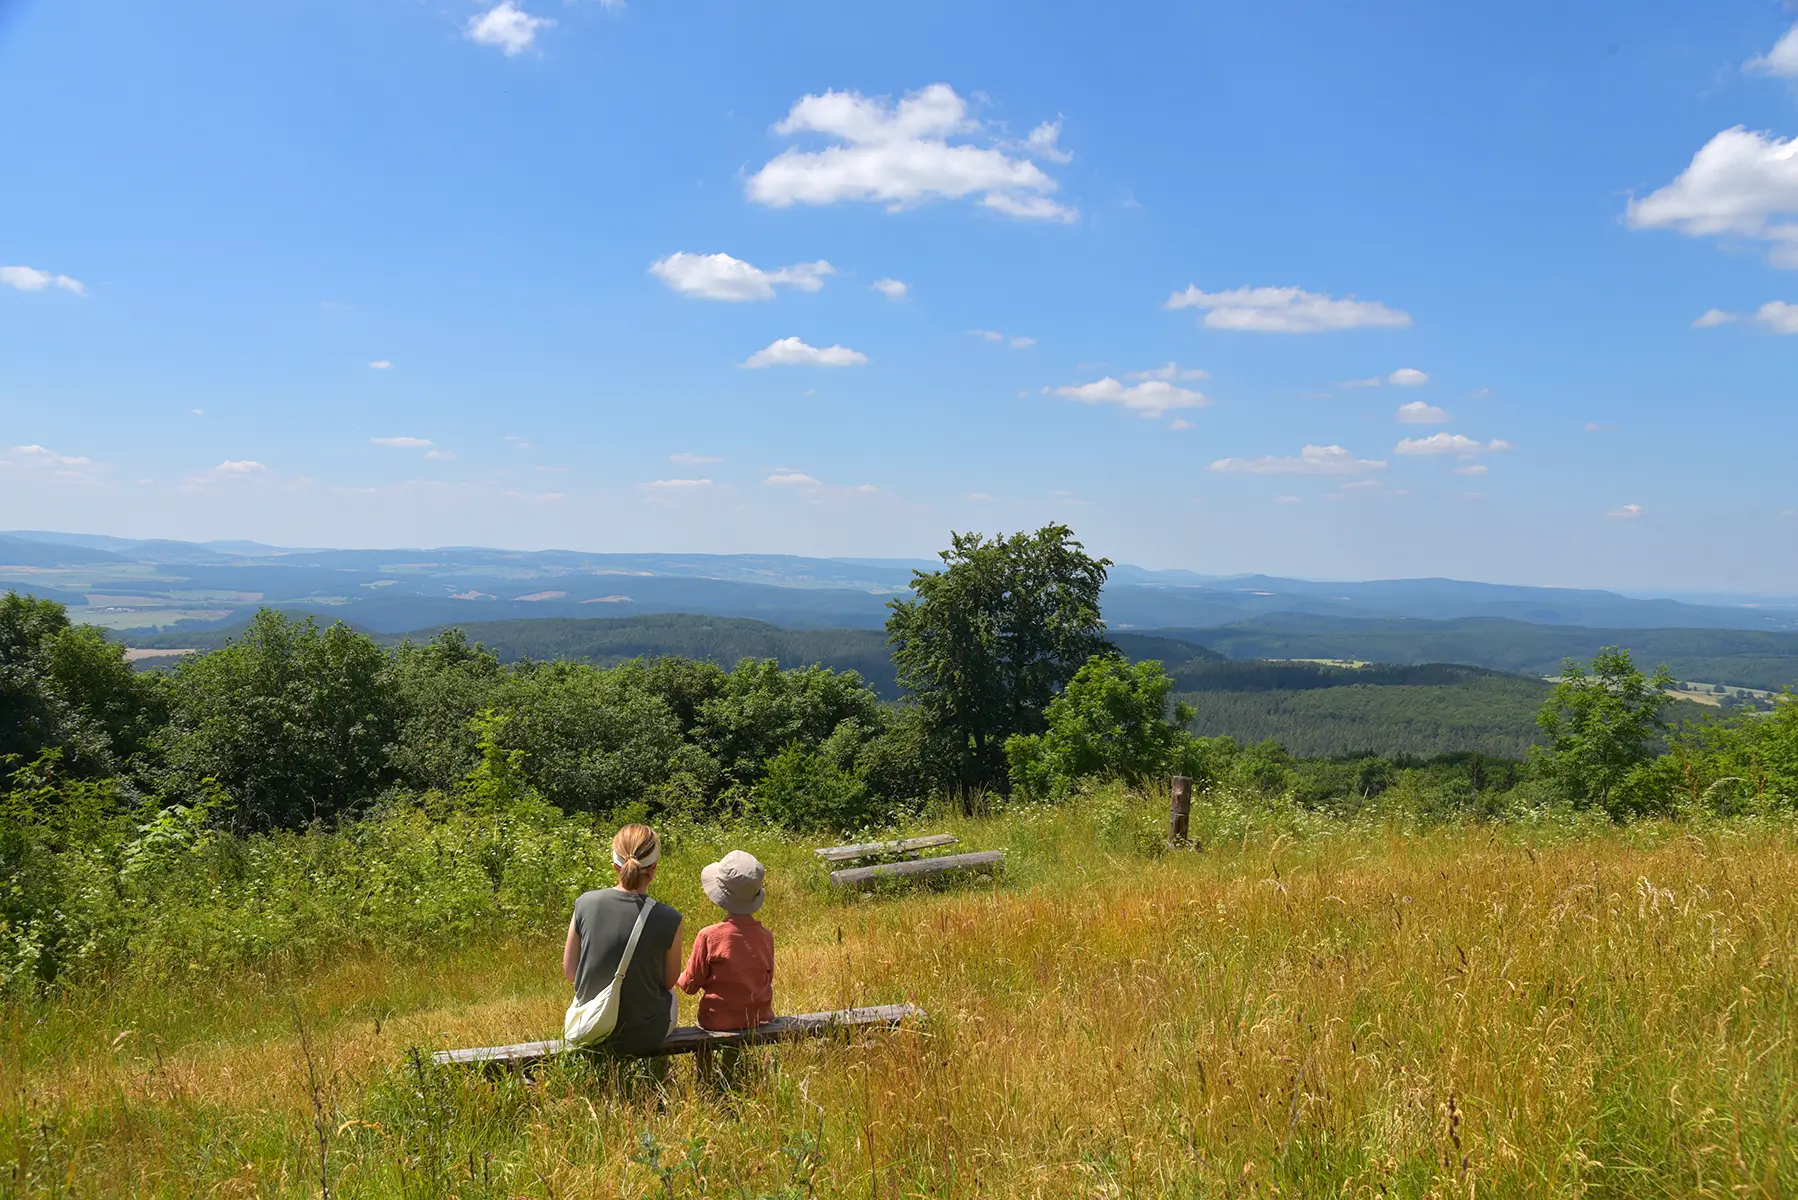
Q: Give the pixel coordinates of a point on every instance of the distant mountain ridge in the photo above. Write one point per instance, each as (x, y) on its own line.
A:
(131, 584)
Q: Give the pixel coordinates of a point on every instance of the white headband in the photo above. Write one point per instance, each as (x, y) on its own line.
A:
(648, 860)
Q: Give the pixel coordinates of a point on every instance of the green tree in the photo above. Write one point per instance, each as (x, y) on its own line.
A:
(65, 687)
(441, 687)
(987, 641)
(1604, 727)
(805, 791)
(293, 722)
(1112, 721)
(760, 710)
(595, 740)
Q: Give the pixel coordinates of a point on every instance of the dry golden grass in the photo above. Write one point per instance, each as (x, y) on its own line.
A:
(1454, 1013)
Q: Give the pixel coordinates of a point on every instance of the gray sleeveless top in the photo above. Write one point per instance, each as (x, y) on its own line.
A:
(604, 919)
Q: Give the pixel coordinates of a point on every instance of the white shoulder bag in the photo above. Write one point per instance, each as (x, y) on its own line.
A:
(586, 1024)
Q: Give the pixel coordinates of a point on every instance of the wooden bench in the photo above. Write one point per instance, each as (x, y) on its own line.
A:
(903, 848)
(858, 877)
(689, 1039)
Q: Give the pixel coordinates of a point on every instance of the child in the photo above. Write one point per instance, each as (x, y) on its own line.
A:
(733, 961)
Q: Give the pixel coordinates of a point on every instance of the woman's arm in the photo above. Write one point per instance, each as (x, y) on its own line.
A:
(692, 980)
(571, 951)
(671, 961)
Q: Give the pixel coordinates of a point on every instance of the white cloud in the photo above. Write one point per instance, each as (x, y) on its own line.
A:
(981, 496)
(440, 455)
(1478, 393)
(721, 277)
(1407, 377)
(1740, 183)
(866, 489)
(994, 336)
(1170, 372)
(892, 289)
(1627, 512)
(42, 458)
(241, 466)
(1151, 398)
(1043, 141)
(1472, 469)
(677, 485)
(1312, 460)
(1778, 316)
(791, 352)
(30, 279)
(1374, 381)
(791, 479)
(1416, 412)
(1286, 310)
(1714, 317)
(693, 460)
(1449, 443)
(380, 364)
(900, 155)
(401, 443)
(1781, 60)
(1179, 423)
(198, 412)
(507, 27)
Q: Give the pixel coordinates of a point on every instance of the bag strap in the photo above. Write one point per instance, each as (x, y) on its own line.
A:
(630, 947)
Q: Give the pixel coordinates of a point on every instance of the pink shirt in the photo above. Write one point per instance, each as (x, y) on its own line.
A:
(733, 964)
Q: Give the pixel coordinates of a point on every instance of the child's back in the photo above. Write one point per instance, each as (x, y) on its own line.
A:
(733, 961)
(732, 966)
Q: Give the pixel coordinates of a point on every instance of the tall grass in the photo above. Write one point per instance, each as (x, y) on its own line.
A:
(1302, 1007)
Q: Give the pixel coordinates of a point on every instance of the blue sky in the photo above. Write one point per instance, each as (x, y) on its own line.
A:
(620, 277)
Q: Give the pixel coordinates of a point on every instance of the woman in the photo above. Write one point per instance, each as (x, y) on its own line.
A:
(600, 929)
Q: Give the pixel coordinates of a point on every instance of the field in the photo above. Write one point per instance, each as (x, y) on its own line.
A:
(1302, 1007)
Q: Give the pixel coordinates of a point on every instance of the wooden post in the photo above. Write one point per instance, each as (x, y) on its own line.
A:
(1179, 809)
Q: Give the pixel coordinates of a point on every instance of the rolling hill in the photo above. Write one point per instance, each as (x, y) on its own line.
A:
(160, 584)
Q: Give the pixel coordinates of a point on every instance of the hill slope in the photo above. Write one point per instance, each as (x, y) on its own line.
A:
(1746, 658)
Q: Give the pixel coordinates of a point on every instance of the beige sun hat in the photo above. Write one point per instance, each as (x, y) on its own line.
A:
(734, 883)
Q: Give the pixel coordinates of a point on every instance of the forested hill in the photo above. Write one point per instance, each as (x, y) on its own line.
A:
(608, 641)
(1740, 657)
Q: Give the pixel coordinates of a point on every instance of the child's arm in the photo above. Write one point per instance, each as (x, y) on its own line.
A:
(692, 980)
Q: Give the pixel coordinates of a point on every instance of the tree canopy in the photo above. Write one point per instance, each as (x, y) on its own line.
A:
(987, 641)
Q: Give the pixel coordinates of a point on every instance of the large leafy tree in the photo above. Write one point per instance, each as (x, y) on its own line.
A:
(64, 687)
(294, 722)
(987, 641)
(1605, 726)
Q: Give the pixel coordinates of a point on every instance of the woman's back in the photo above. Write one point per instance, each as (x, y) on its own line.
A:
(604, 920)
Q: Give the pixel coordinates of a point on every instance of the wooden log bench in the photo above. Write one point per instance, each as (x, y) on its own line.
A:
(903, 848)
(689, 1039)
(860, 877)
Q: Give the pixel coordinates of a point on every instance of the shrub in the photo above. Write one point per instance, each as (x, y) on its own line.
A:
(805, 791)
(1110, 722)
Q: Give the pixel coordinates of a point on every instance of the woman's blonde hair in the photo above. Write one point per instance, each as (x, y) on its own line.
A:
(635, 849)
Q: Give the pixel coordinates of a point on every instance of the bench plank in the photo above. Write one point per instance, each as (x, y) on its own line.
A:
(862, 876)
(689, 1039)
(870, 849)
